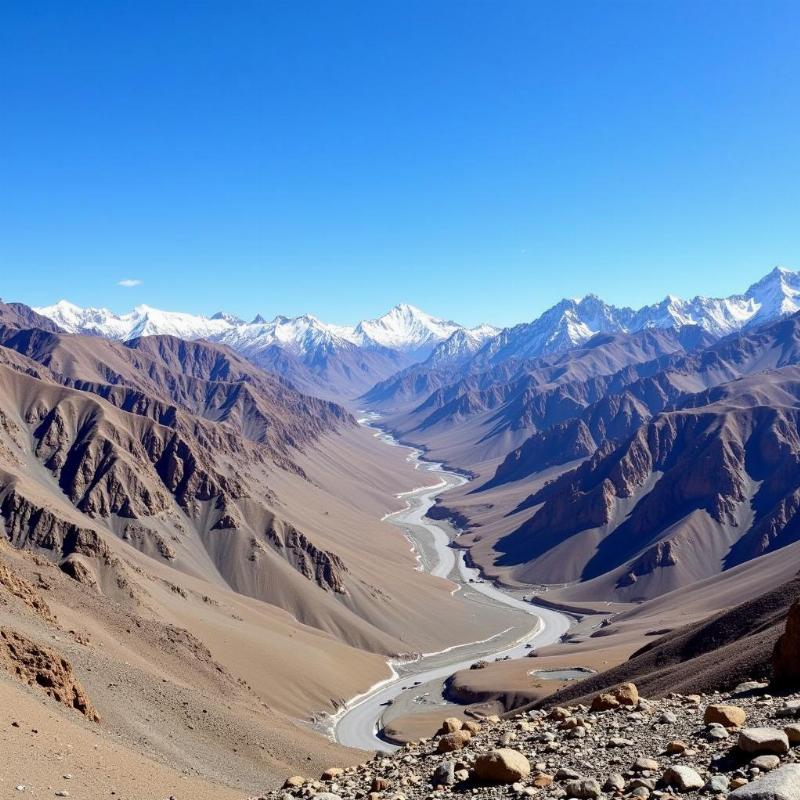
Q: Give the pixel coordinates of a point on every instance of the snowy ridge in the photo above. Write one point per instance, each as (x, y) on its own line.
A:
(573, 322)
(404, 328)
(418, 336)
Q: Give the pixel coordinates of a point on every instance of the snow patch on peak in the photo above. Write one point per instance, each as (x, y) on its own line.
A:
(405, 328)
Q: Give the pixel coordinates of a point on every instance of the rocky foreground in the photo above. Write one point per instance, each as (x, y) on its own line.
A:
(744, 745)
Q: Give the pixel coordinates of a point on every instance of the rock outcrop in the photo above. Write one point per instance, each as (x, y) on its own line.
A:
(44, 668)
(786, 658)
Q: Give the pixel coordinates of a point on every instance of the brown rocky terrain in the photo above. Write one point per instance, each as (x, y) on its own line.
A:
(738, 745)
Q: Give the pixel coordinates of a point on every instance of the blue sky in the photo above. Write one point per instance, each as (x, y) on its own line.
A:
(478, 159)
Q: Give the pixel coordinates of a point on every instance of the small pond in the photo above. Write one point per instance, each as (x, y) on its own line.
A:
(570, 674)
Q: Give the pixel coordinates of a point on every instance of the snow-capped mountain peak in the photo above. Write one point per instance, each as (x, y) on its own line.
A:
(776, 294)
(460, 345)
(405, 328)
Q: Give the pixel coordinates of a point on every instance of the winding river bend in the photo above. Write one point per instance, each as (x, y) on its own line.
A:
(359, 722)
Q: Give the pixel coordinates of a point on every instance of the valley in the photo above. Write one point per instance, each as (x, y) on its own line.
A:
(304, 542)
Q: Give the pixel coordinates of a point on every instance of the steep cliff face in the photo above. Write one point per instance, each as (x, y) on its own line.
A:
(321, 566)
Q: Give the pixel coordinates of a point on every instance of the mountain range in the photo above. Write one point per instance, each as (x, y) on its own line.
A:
(344, 361)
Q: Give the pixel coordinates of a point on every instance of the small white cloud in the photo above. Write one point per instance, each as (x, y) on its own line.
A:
(129, 283)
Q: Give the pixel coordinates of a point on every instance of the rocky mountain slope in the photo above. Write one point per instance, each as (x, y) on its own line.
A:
(172, 488)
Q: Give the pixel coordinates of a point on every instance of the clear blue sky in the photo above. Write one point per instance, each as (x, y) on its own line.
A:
(478, 159)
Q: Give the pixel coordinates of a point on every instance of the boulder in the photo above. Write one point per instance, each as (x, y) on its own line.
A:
(331, 773)
(786, 656)
(503, 765)
(682, 777)
(763, 740)
(780, 784)
(295, 782)
(624, 695)
(453, 741)
(729, 716)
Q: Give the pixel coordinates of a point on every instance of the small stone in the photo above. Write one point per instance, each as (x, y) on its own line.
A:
(380, 785)
(676, 747)
(729, 716)
(331, 773)
(765, 763)
(471, 725)
(645, 765)
(682, 777)
(450, 725)
(542, 780)
(717, 733)
(667, 718)
(295, 782)
(618, 741)
(566, 774)
(583, 788)
(453, 741)
(792, 733)
(763, 740)
(614, 783)
(694, 699)
(717, 784)
(444, 774)
(748, 687)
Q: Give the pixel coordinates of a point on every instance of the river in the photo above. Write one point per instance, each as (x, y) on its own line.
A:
(358, 723)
